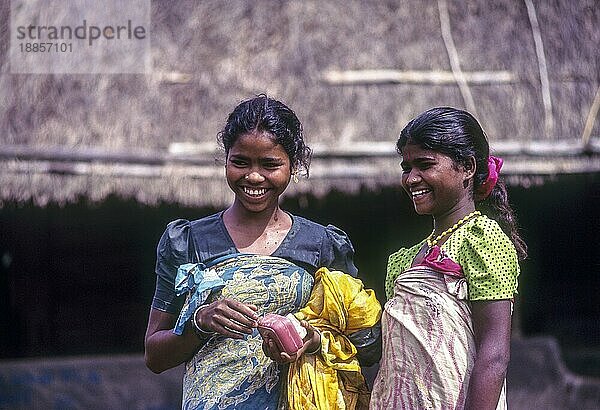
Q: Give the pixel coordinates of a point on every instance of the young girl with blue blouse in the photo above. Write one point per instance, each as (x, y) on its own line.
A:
(217, 275)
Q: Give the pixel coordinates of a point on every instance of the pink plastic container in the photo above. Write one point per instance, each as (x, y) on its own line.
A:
(282, 331)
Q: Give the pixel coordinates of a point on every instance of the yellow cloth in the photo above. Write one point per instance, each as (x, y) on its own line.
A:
(339, 305)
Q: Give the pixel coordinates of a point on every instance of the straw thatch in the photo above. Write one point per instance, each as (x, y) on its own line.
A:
(354, 71)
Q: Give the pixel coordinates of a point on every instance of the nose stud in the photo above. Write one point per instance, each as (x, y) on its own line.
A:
(254, 177)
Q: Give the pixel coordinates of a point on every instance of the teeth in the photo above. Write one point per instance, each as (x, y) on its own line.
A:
(255, 192)
(419, 192)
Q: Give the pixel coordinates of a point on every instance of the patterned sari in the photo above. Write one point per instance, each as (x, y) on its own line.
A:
(232, 373)
(428, 340)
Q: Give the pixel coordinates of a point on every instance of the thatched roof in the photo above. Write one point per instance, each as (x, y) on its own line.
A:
(530, 71)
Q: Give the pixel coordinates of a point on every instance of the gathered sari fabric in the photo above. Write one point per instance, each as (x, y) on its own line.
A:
(338, 306)
(235, 373)
(429, 346)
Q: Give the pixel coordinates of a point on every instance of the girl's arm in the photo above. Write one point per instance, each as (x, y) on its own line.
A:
(164, 349)
(491, 325)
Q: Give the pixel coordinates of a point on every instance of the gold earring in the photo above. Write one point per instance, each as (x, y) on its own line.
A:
(295, 178)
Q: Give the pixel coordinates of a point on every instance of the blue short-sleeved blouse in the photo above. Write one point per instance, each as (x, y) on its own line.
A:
(307, 244)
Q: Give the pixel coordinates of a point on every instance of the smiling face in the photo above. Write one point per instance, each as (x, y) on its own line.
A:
(258, 170)
(435, 183)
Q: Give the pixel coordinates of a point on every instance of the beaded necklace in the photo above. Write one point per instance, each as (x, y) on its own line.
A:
(432, 242)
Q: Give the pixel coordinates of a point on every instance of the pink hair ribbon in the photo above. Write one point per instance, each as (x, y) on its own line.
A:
(494, 166)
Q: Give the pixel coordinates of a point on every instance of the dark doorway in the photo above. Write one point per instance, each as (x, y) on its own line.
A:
(78, 279)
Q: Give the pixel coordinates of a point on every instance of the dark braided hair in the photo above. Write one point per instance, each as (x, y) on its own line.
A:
(457, 134)
(262, 113)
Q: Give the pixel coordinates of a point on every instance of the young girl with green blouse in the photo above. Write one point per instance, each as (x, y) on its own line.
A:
(447, 322)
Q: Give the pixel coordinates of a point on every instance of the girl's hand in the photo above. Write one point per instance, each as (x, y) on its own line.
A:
(228, 317)
(312, 343)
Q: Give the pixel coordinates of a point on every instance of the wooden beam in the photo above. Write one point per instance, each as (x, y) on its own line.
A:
(542, 66)
(591, 119)
(208, 154)
(437, 77)
(204, 155)
(459, 76)
(386, 170)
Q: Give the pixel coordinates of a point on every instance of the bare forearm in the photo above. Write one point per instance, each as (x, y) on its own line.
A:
(491, 325)
(165, 350)
(486, 383)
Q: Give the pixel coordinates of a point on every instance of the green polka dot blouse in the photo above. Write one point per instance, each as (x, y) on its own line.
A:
(486, 255)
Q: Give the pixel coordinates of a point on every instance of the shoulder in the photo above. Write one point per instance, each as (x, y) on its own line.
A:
(484, 236)
(330, 245)
(403, 257)
(485, 227)
(488, 258)
(207, 223)
(398, 262)
(328, 234)
(175, 239)
(178, 229)
(305, 224)
(172, 248)
(175, 236)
